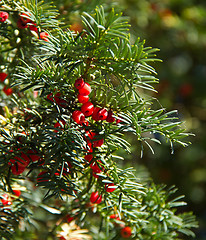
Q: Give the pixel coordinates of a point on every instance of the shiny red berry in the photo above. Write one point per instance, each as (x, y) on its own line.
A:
(99, 114)
(95, 198)
(78, 117)
(110, 187)
(85, 90)
(16, 192)
(87, 109)
(7, 91)
(79, 83)
(126, 232)
(102, 114)
(83, 98)
(3, 16)
(5, 199)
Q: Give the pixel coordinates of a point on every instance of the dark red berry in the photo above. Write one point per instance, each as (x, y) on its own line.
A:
(3, 16)
(94, 166)
(59, 125)
(126, 232)
(110, 117)
(78, 117)
(17, 170)
(95, 113)
(85, 90)
(98, 143)
(69, 218)
(79, 83)
(88, 157)
(83, 98)
(21, 24)
(33, 27)
(43, 177)
(33, 155)
(22, 160)
(109, 187)
(95, 198)
(87, 108)
(3, 76)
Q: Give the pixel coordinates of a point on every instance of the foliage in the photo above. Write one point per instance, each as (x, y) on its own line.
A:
(44, 147)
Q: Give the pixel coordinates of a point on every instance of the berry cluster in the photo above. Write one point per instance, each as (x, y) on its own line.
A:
(24, 21)
(20, 162)
(88, 109)
(125, 231)
(6, 200)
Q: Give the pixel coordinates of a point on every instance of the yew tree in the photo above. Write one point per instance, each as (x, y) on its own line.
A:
(69, 100)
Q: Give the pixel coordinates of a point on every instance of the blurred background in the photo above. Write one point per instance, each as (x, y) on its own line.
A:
(178, 29)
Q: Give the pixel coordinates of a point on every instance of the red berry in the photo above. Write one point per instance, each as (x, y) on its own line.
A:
(3, 76)
(33, 28)
(95, 175)
(102, 114)
(83, 98)
(59, 125)
(99, 114)
(69, 218)
(43, 177)
(78, 117)
(109, 187)
(21, 24)
(88, 157)
(126, 232)
(95, 197)
(85, 90)
(114, 216)
(17, 170)
(95, 113)
(62, 238)
(33, 155)
(87, 108)
(17, 192)
(110, 117)
(98, 143)
(25, 17)
(44, 36)
(5, 199)
(22, 160)
(3, 16)
(94, 166)
(79, 83)
(7, 91)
